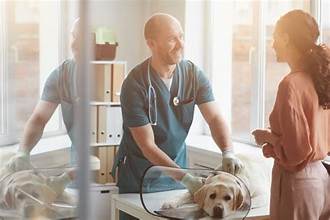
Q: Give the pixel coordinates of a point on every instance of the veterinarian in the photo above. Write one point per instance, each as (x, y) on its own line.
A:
(298, 138)
(60, 88)
(157, 99)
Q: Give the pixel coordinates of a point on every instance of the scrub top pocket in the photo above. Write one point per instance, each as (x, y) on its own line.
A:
(187, 114)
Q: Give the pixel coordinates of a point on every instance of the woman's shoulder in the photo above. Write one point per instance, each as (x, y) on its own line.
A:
(296, 80)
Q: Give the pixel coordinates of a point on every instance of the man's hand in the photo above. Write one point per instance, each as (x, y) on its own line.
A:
(20, 161)
(230, 163)
(192, 183)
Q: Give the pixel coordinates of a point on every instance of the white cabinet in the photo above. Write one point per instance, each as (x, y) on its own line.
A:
(100, 200)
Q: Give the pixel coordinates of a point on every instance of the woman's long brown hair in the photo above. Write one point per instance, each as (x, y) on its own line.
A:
(303, 32)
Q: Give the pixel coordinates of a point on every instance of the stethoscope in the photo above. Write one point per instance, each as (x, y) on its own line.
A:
(152, 102)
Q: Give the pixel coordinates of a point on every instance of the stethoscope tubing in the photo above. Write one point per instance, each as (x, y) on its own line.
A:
(176, 100)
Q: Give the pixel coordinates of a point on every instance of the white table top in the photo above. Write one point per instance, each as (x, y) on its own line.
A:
(131, 203)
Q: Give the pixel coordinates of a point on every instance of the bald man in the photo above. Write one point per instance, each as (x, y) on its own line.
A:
(158, 99)
(60, 89)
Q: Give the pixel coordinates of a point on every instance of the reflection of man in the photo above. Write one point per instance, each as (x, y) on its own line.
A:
(59, 89)
(158, 98)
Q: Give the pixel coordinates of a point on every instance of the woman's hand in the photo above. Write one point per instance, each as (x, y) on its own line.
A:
(261, 136)
(268, 151)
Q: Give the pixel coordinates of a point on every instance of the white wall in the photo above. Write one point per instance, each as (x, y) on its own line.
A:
(127, 18)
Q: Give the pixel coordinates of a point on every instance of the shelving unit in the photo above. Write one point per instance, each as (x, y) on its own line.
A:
(106, 118)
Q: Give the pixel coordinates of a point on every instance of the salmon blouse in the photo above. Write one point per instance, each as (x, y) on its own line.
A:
(301, 124)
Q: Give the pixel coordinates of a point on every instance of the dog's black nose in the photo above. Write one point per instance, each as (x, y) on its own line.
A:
(218, 211)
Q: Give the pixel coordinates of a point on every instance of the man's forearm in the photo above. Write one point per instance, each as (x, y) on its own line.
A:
(220, 133)
(158, 158)
(32, 133)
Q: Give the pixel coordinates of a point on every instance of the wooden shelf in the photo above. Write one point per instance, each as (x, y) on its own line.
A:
(105, 103)
(101, 144)
(108, 62)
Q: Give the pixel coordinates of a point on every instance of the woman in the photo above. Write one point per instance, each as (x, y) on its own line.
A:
(299, 134)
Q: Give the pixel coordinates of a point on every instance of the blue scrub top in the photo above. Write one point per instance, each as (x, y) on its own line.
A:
(173, 122)
(60, 88)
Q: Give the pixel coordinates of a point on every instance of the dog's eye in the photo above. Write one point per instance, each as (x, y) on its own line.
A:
(227, 197)
(213, 195)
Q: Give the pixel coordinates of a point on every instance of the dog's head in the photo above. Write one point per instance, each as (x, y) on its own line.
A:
(220, 196)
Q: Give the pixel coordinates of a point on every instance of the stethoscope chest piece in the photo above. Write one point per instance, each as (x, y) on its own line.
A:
(176, 101)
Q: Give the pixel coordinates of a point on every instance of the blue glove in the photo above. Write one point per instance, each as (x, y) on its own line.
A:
(20, 161)
(192, 183)
(230, 163)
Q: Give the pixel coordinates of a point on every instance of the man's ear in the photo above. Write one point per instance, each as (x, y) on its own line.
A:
(151, 43)
(199, 196)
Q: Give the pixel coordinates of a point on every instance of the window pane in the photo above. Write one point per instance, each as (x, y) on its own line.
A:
(243, 45)
(23, 33)
(274, 70)
(2, 68)
(326, 22)
(28, 63)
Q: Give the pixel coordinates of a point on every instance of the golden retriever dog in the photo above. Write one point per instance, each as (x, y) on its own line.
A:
(223, 194)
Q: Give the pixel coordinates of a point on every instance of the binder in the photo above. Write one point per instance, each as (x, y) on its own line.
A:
(114, 123)
(102, 173)
(102, 124)
(116, 148)
(118, 75)
(102, 87)
(110, 161)
(93, 125)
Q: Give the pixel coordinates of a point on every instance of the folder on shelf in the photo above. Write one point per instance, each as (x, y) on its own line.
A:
(102, 173)
(116, 170)
(102, 83)
(93, 125)
(118, 75)
(102, 124)
(114, 124)
(110, 160)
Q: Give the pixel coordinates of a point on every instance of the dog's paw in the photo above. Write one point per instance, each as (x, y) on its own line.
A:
(169, 205)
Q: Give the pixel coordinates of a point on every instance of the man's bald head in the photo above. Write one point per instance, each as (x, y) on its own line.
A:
(75, 28)
(156, 23)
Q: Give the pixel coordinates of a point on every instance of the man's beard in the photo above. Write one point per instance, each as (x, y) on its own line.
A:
(171, 60)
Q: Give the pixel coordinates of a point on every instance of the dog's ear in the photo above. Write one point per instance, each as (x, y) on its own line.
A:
(199, 196)
(239, 198)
